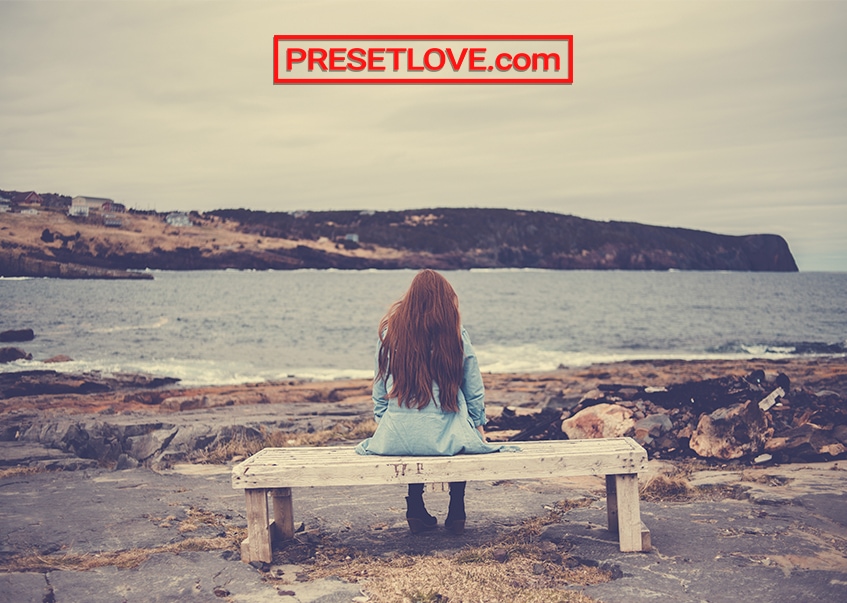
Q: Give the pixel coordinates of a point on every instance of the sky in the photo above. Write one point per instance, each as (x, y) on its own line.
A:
(729, 117)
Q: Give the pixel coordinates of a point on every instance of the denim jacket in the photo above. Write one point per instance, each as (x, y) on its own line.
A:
(429, 431)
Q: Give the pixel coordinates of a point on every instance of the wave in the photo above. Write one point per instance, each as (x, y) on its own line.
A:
(533, 358)
(784, 349)
(191, 373)
(119, 329)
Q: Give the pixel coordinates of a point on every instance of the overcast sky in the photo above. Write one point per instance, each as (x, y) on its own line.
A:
(722, 116)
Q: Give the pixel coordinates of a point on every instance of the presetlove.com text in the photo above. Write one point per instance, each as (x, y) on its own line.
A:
(539, 59)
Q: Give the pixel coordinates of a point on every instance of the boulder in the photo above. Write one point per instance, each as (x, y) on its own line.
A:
(144, 446)
(17, 335)
(599, 421)
(12, 354)
(651, 427)
(810, 440)
(57, 359)
(732, 432)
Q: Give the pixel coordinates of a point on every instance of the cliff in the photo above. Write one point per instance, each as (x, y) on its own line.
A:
(498, 238)
(50, 243)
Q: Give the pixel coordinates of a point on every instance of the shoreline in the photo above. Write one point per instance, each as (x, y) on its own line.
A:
(96, 392)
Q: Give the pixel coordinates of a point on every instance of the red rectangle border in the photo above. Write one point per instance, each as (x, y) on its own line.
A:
(339, 80)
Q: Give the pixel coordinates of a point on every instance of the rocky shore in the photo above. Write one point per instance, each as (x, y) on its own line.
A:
(116, 488)
(763, 411)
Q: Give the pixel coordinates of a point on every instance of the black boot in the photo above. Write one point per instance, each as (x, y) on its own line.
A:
(416, 515)
(455, 521)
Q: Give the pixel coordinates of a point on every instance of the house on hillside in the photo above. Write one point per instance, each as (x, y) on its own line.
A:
(83, 206)
(178, 218)
(33, 198)
(5, 206)
(78, 210)
(29, 211)
(110, 206)
(112, 221)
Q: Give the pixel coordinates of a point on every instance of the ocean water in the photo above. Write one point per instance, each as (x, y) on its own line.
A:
(227, 327)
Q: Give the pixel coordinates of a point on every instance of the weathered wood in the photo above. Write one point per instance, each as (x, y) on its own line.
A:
(341, 466)
(283, 514)
(277, 470)
(612, 504)
(628, 511)
(257, 546)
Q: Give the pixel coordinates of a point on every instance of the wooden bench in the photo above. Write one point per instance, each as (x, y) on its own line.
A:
(274, 471)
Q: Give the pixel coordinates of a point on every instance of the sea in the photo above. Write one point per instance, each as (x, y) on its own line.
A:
(236, 327)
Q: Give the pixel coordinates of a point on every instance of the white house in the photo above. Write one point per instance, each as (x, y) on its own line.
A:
(78, 210)
(178, 218)
(83, 206)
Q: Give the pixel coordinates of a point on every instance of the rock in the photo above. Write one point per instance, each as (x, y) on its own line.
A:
(556, 534)
(599, 421)
(144, 446)
(58, 358)
(732, 432)
(500, 555)
(126, 462)
(808, 439)
(12, 354)
(651, 427)
(17, 335)
(181, 403)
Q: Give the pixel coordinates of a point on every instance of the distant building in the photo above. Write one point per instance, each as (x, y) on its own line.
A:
(5, 207)
(352, 237)
(29, 211)
(78, 211)
(33, 197)
(113, 207)
(112, 221)
(90, 204)
(178, 218)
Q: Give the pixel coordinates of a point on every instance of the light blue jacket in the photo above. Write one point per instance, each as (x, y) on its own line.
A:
(429, 431)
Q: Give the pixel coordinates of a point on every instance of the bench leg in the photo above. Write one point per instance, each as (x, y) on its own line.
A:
(623, 511)
(257, 546)
(283, 524)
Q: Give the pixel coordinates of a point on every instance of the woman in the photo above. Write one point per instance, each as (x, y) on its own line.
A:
(428, 393)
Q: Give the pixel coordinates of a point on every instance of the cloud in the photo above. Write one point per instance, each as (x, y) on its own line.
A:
(723, 117)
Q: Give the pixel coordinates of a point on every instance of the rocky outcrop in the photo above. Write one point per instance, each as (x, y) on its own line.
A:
(17, 335)
(758, 417)
(59, 246)
(12, 354)
(18, 263)
(491, 238)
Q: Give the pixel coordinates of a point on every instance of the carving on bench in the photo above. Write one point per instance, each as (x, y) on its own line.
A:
(273, 472)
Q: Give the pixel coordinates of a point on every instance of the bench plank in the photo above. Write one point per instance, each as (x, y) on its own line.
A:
(341, 466)
(274, 471)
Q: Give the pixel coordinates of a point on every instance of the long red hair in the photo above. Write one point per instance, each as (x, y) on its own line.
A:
(421, 338)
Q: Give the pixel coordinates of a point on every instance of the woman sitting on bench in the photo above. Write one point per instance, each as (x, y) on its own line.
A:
(428, 393)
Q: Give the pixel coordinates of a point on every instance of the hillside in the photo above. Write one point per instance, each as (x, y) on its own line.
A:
(47, 242)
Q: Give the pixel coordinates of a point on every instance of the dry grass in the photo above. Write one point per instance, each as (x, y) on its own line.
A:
(341, 432)
(131, 558)
(434, 579)
(516, 568)
(20, 470)
(666, 488)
